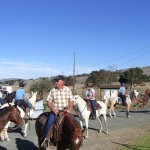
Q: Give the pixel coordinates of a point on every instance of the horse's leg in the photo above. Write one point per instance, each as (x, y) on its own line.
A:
(113, 110)
(128, 113)
(2, 135)
(128, 108)
(81, 123)
(5, 132)
(25, 133)
(100, 122)
(105, 121)
(87, 126)
(110, 112)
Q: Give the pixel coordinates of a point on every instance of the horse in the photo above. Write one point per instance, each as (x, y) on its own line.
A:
(142, 100)
(84, 113)
(10, 113)
(69, 134)
(112, 101)
(22, 114)
(8, 98)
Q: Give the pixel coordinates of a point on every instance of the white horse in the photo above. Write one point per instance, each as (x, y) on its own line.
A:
(4, 133)
(112, 101)
(84, 113)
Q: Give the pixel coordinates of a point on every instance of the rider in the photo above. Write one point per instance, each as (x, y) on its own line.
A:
(122, 93)
(19, 99)
(59, 98)
(90, 94)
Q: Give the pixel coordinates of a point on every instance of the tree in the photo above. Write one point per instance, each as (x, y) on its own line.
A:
(133, 76)
(42, 87)
(102, 77)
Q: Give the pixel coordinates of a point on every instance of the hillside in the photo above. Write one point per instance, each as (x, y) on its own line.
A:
(146, 70)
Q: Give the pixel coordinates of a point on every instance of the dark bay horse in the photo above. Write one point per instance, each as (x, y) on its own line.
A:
(70, 132)
(10, 113)
(8, 99)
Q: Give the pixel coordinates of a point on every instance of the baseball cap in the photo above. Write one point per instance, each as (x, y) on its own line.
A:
(59, 77)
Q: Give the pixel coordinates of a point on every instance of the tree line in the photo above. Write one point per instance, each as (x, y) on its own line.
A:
(132, 76)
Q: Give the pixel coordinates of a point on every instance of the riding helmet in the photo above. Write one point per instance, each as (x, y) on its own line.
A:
(21, 85)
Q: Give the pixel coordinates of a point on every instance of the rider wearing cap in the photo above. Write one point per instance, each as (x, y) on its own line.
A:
(59, 99)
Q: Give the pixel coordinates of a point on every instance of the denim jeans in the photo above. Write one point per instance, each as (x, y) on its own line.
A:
(51, 120)
(93, 104)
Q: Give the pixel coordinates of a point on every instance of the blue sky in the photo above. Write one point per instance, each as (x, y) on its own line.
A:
(38, 37)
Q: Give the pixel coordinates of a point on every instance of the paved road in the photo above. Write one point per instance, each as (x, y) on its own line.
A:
(138, 119)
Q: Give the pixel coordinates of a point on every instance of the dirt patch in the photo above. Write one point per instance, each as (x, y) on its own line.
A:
(115, 140)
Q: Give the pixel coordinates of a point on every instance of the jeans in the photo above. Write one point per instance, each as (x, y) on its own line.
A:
(29, 104)
(93, 104)
(51, 120)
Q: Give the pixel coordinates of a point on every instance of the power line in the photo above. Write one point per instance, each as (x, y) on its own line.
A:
(120, 57)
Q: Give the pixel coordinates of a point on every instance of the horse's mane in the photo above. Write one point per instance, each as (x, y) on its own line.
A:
(5, 110)
(71, 123)
(32, 100)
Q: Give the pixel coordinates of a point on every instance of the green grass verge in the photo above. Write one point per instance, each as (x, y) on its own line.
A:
(142, 143)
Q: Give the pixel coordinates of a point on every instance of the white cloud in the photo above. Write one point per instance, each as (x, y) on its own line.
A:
(24, 70)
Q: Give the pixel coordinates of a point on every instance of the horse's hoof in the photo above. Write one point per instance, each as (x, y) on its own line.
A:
(99, 131)
(7, 140)
(25, 135)
(86, 137)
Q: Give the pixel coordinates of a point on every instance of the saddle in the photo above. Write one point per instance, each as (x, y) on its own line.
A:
(55, 132)
(89, 107)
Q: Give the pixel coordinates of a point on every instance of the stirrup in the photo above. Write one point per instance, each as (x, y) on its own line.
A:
(45, 144)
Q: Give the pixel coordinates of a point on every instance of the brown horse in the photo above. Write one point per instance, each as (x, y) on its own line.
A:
(10, 113)
(142, 100)
(69, 132)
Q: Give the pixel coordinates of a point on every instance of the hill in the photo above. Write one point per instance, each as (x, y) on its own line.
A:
(146, 70)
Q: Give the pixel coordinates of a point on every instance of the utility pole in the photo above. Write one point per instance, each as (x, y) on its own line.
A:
(74, 72)
(77, 75)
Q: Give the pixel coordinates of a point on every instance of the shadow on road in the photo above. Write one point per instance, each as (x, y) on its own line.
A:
(130, 146)
(138, 111)
(22, 144)
(2, 148)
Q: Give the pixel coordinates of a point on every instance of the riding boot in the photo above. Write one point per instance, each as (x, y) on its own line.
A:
(26, 113)
(47, 141)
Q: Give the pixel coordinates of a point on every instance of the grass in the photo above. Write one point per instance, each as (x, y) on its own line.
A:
(142, 143)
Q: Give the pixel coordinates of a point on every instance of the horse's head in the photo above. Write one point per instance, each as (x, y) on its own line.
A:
(32, 100)
(9, 98)
(77, 139)
(15, 115)
(76, 98)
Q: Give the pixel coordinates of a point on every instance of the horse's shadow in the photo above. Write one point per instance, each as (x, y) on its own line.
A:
(2, 148)
(17, 130)
(22, 144)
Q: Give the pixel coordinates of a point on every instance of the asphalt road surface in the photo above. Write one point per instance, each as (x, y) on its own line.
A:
(138, 119)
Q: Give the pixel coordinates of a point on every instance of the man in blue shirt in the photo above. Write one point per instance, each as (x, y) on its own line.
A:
(122, 94)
